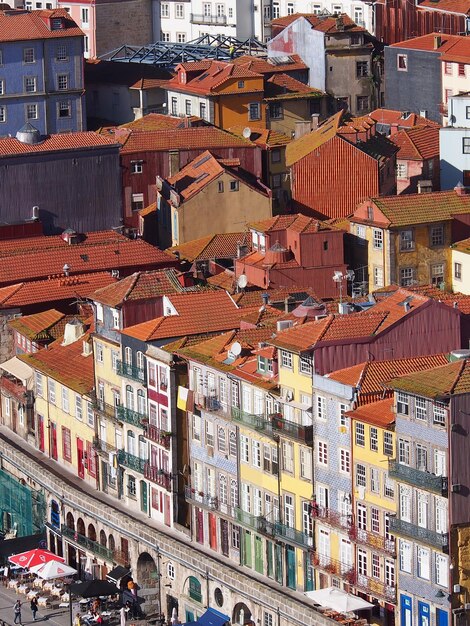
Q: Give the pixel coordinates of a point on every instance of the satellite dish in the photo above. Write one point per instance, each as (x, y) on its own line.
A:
(235, 348)
(242, 281)
(246, 132)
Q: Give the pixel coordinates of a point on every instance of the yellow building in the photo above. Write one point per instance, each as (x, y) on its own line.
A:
(373, 502)
(460, 252)
(408, 237)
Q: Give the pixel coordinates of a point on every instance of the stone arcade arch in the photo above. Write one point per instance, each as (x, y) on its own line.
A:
(103, 539)
(241, 614)
(147, 571)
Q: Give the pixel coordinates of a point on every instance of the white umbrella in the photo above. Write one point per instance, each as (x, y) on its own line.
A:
(53, 569)
(338, 600)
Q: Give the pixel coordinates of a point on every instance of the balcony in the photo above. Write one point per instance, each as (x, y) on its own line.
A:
(418, 478)
(256, 422)
(131, 371)
(326, 564)
(376, 588)
(131, 417)
(158, 476)
(163, 438)
(103, 446)
(201, 498)
(292, 430)
(288, 534)
(106, 410)
(374, 541)
(248, 520)
(132, 462)
(418, 534)
(88, 544)
(332, 517)
(219, 20)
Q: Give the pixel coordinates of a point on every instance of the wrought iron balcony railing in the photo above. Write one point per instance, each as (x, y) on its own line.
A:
(106, 410)
(373, 540)
(158, 476)
(421, 535)
(88, 544)
(375, 587)
(161, 437)
(220, 20)
(131, 417)
(131, 461)
(274, 529)
(418, 478)
(257, 422)
(329, 565)
(131, 371)
(332, 517)
(201, 498)
(293, 430)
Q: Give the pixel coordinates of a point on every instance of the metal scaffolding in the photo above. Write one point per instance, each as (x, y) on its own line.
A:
(163, 54)
(21, 508)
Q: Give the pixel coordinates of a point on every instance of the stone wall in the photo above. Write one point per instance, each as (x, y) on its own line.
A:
(6, 334)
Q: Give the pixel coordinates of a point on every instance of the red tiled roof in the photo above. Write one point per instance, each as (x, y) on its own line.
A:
(32, 325)
(370, 377)
(392, 117)
(427, 43)
(139, 286)
(10, 146)
(418, 143)
(222, 246)
(325, 24)
(53, 290)
(378, 413)
(158, 121)
(264, 65)
(284, 87)
(447, 380)
(30, 25)
(298, 223)
(203, 312)
(263, 137)
(215, 76)
(448, 6)
(40, 262)
(460, 51)
(295, 294)
(225, 280)
(11, 247)
(207, 138)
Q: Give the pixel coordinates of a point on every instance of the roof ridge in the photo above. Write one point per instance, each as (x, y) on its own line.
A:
(328, 321)
(134, 280)
(458, 375)
(406, 131)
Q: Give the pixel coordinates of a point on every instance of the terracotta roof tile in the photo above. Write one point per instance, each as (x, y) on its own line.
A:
(32, 325)
(462, 246)
(427, 43)
(378, 413)
(295, 294)
(10, 146)
(158, 121)
(298, 223)
(53, 290)
(30, 25)
(261, 316)
(447, 380)
(202, 312)
(222, 246)
(264, 65)
(418, 143)
(448, 6)
(139, 286)
(299, 148)
(225, 280)
(284, 87)
(263, 137)
(325, 24)
(218, 74)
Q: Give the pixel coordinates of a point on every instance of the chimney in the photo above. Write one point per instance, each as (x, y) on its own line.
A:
(437, 42)
(460, 190)
(339, 23)
(265, 298)
(301, 128)
(242, 249)
(424, 186)
(314, 123)
(286, 304)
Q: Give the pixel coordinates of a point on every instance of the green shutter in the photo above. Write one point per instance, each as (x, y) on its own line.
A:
(308, 574)
(278, 563)
(247, 548)
(259, 566)
(290, 563)
(269, 558)
(143, 496)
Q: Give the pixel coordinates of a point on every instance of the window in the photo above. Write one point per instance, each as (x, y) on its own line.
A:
(174, 106)
(254, 111)
(244, 449)
(137, 202)
(306, 365)
(234, 185)
(114, 360)
(378, 276)
(437, 274)
(66, 444)
(362, 562)
(423, 558)
(51, 391)
(276, 10)
(276, 111)
(275, 155)
(343, 420)
(99, 352)
(179, 11)
(180, 37)
(388, 443)
(362, 69)
(221, 439)
(78, 407)
(442, 571)
(406, 240)
(461, 69)
(404, 555)
(420, 409)
(458, 271)
(90, 415)
(196, 427)
(356, 40)
(305, 463)
(136, 167)
(131, 487)
(39, 388)
(403, 403)
(422, 510)
(61, 52)
(32, 111)
(440, 463)
(187, 106)
(344, 461)
(448, 68)
(65, 399)
(402, 170)
(235, 537)
(466, 145)
(402, 62)
(375, 520)
(290, 8)
(7, 406)
(361, 478)
(202, 110)
(373, 439)
(256, 453)
(389, 487)
(404, 452)
(321, 408)
(360, 435)
(65, 109)
(241, 84)
(287, 456)
(374, 480)
(439, 413)
(164, 9)
(286, 359)
(437, 235)
(62, 82)
(29, 84)
(85, 15)
(362, 103)
(405, 503)
(289, 518)
(3, 113)
(322, 453)
(28, 55)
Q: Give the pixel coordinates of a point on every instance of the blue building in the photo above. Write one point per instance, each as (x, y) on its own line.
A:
(41, 72)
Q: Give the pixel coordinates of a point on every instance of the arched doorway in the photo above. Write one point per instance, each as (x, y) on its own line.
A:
(81, 527)
(147, 571)
(111, 543)
(241, 614)
(69, 521)
(91, 532)
(103, 540)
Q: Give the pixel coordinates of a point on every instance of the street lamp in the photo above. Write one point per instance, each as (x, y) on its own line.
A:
(339, 277)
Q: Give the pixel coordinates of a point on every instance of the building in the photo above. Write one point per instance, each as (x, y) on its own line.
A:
(349, 74)
(209, 195)
(442, 58)
(293, 250)
(58, 159)
(454, 141)
(284, 10)
(42, 72)
(408, 236)
(390, 122)
(461, 266)
(417, 159)
(431, 524)
(362, 159)
(37, 331)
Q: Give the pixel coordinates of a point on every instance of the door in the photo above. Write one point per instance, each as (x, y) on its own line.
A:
(270, 559)
(247, 559)
(405, 611)
(80, 463)
(189, 616)
(41, 432)
(259, 566)
(143, 496)
(212, 531)
(324, 547)
(278, 563)
(442, 618)
(308, 573)
(290, 566)
(54, 441)
(167, 510)
(423, 614)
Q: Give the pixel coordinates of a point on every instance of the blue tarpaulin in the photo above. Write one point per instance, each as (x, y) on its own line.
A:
(211, 618)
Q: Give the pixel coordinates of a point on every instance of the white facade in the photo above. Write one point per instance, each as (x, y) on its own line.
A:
(183, 104)
(360, 12)
(461, 272)
(454, 141)
(455, 80)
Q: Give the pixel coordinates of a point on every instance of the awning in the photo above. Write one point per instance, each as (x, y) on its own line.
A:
(19, 370)
(213, 618)
(117, 573)
(338, 599)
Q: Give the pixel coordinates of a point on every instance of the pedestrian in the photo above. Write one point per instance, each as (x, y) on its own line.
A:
(17, 610)
(123, 615)
(6, 575)
(78, 620)
(34, 607)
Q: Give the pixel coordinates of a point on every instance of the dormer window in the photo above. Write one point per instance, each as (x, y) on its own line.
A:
(370, 213)
(262, 365)
(57, 23)
(182, 77)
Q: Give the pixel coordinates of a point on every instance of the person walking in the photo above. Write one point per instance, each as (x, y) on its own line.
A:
(17, 610)
(34, 607)
(77, 620)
